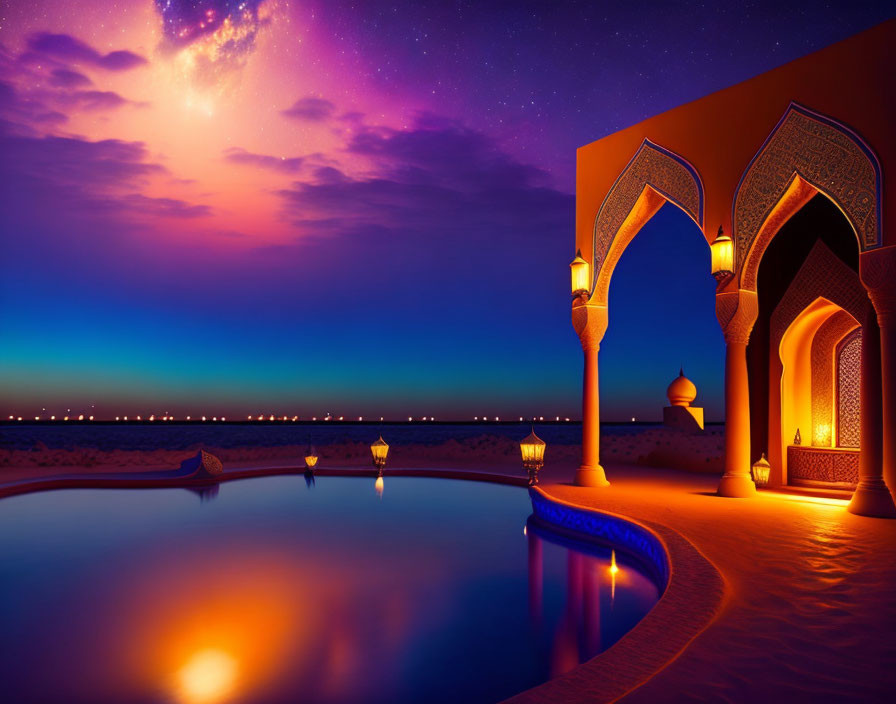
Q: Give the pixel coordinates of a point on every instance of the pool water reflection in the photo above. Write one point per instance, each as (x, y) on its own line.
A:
(282, 590)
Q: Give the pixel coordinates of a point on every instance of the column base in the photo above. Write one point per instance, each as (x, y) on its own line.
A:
(872, 498)
(591, 476)
(737, 486)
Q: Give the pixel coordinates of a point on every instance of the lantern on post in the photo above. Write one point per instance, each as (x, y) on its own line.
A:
(722, 256)
(532, 449)
(310, 459)
(581, 278)
(379, 450)
(761, 470)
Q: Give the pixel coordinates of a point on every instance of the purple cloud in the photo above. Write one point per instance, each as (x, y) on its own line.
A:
(65, 78)
(265, 161)
(163, 207)
(93, 100)
(68, 48)
(310, 109)
(84, 181)
(439, 180)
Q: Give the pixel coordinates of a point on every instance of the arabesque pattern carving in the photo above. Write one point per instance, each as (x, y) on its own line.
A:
(824, 155)
(849, 374)
(824, 347)
(737, 313)
(819, 464)
(822, 275)
(658, 168)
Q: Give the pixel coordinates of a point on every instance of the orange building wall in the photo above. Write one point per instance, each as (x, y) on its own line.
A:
(851, 82)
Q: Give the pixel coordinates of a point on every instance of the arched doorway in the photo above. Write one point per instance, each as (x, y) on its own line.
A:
(812, 191)
(653, 177)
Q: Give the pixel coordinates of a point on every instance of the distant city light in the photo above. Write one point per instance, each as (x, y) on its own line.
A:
(81, 417)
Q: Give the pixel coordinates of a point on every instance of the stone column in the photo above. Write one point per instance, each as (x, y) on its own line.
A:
(871, 498)
(590, 323)
(737, 311)
(877, 268)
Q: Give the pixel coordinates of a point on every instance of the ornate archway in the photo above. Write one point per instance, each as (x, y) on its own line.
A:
(652, 177)
(806, 153)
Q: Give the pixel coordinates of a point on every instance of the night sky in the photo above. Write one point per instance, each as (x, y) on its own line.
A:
(251, 206)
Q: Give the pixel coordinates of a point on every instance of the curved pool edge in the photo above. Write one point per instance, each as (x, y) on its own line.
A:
(693, 597)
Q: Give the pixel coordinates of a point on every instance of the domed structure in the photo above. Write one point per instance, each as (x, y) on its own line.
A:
(681, 391)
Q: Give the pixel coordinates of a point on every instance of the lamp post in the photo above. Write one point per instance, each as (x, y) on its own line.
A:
(532, 449)
(579, 271)
(310, 459)
(722, 256)
(379, 450)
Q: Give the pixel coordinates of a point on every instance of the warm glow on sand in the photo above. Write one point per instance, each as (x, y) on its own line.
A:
(822, 500)
(209, 676)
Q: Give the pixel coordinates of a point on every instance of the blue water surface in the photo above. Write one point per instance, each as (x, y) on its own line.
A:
(281, 589)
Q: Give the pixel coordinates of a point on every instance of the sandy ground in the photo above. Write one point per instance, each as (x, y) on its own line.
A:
(809, 610)
(655, 446)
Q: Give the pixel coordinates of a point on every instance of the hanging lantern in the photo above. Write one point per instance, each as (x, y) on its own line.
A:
(761, 470)
(722, 256)
(379, 450)
(532, 449)
(581, 277)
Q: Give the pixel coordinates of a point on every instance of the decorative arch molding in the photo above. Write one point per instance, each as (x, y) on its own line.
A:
(822, 275)
(652, 176)
(805, 154)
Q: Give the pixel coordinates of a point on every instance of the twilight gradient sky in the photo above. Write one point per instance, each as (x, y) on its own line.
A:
(246, 206)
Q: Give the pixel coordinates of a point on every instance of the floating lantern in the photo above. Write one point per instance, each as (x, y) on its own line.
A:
(532, 449)
(761, 470)
(379, 450)
(579, 271)
(722, 256)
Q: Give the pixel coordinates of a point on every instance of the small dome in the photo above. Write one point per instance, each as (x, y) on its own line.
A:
(681, 391)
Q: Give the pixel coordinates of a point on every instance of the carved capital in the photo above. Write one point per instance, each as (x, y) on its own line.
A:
(737, 312)
(877, 269)
(589, 320)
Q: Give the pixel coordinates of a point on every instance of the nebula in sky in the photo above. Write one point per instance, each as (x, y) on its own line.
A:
(367, 208)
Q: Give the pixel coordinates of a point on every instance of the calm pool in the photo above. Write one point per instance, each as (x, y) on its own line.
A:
(273, 590)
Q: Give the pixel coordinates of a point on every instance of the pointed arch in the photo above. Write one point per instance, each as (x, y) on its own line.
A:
(805, 154)
(652, 177)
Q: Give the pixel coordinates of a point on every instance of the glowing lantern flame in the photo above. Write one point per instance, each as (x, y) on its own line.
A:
(379, 450)
(722, 255)
(580, 275)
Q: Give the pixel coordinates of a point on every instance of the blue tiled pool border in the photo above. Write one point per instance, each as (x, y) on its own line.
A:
(606, 528)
